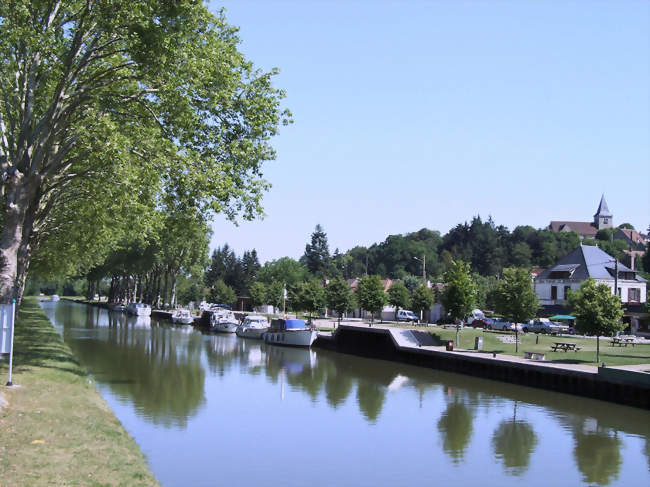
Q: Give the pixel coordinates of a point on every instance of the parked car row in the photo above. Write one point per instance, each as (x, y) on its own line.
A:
(541, 325)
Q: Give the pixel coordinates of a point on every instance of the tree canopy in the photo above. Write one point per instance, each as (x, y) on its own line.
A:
(515, 296)
(150, 96)
(370, 294)
(459, 296)
(597, 311)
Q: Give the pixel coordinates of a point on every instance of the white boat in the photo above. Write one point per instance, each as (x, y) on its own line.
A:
(223, 320)
(55, 297)
(253, 327)
(182, 317)
(294, 333)
(138, 309)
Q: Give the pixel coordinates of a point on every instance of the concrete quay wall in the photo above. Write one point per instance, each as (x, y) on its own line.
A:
(378, 343)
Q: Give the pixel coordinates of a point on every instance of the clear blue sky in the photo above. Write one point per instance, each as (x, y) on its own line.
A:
(424, 114)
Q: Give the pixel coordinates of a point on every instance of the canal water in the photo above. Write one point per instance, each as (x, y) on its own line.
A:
(220, 410)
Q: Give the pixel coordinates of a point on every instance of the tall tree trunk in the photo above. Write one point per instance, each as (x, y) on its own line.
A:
(14, 240)
(172, 299)
(166, 287)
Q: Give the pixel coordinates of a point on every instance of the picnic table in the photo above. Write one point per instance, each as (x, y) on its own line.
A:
(623, 341)
(565, 346)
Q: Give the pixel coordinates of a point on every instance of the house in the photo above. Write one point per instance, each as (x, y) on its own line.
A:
(553, 285)
(603, 218)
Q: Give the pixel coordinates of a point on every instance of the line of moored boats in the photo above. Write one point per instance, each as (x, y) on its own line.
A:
(220, 319)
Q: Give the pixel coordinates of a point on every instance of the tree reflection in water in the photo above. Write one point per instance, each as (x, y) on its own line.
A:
(143, 363)
(456, 426)
(514, 442)
(598, 455)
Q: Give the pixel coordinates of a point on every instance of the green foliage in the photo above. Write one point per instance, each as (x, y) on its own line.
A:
(339, 297)
(597, 311)
(605, 234)
(459, 296)
(370, 294)
(311, 297)
(275, 293)
(283, 270)
(399, 296)
(422, 298)
(125, 108)
(222, 293)
(485, 291)
(258, 293)
(614, 248)
(235, 272)
(515, 297)
(317, 255)
(645, 260)
(629, 226)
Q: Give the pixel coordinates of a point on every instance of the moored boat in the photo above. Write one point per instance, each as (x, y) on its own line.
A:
(182, 317)
(294, 333)
(223, 320)
(117, 307)
(253, 326)
(55, 297)
(138, 309)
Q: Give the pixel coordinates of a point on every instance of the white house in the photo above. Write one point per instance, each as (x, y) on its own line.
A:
(552, 285)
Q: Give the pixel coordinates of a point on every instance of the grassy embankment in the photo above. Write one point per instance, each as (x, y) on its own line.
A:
(56, 428)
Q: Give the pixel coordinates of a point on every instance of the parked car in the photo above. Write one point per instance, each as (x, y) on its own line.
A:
(482, 323)
(406, 315)
(542, 325)
(502, 324)
(556, 328)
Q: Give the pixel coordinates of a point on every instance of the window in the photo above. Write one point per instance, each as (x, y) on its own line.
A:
(566, 292)
(553, 292)
(605, 220)
(634, 294)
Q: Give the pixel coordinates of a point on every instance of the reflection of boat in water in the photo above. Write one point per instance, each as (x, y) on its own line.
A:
(253, 327)
(139, 321)
(292, 360)
(293, 333)
(223, 321)
(182, 317)
(138, 309)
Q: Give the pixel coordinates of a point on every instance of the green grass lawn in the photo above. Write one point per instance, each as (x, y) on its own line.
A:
(639, 354)
(56, 428)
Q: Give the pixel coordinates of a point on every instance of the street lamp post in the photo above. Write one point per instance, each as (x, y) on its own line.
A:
(424, 278)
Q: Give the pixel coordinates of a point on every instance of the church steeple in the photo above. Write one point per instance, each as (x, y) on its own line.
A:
(603, 218)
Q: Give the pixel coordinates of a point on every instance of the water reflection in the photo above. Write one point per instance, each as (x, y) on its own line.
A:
(164, 371)
(598, 456)
(154, 367)
(514, 441)
(456, 426)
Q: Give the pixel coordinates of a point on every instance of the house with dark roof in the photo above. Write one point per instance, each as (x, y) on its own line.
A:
(603, 218)
(553, 285)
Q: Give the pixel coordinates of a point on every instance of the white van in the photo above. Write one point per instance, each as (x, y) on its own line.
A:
(406, 315)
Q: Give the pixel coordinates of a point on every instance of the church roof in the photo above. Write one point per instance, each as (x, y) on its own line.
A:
(581, 228)
(602, 208)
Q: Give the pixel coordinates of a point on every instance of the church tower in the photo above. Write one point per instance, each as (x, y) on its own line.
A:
(603, 217)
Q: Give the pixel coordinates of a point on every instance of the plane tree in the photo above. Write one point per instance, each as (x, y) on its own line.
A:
(149, 99)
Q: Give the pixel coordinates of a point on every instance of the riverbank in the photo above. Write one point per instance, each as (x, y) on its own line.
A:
(55, 427)
(628, 385)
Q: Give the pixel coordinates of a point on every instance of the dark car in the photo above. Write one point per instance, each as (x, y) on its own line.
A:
(482, 323)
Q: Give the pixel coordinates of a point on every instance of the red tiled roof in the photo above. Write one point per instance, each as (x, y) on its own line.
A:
(633, 235)
(582, 228)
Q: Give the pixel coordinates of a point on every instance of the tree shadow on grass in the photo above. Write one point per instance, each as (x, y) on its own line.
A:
(37, 343)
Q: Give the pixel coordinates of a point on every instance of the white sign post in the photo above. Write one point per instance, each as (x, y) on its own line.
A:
(7, 315)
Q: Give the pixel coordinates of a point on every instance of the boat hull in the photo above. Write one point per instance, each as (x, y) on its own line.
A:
(292, 338)
(224, 327)
(182, 320)
(138, 310)
(255, 333)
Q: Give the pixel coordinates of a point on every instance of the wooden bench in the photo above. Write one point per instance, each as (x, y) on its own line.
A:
(535, 355)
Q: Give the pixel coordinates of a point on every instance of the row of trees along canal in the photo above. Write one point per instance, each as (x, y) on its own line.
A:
(121, 121)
